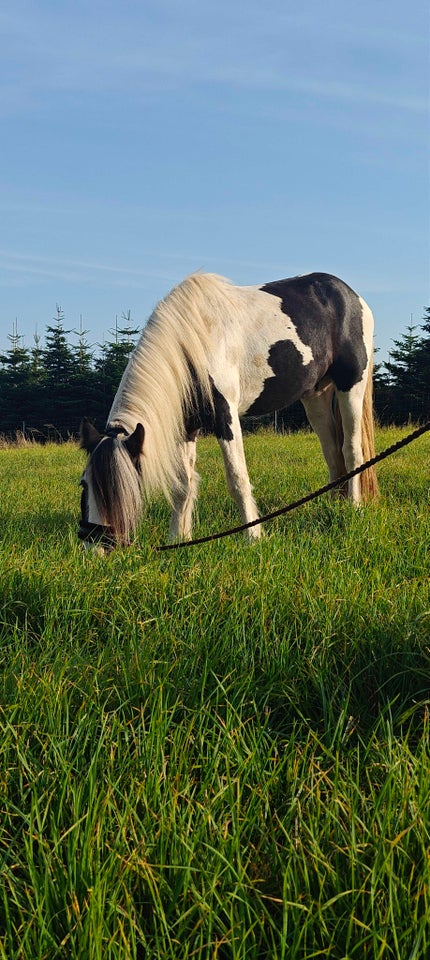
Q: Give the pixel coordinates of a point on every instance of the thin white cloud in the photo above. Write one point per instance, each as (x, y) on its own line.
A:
(69, 270)
(321, 88)
(31, 267)
(60, 50)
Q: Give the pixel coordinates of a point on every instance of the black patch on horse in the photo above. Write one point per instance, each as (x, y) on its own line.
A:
(84, 501)
(291, 379)
(327, 315)
(215, 417)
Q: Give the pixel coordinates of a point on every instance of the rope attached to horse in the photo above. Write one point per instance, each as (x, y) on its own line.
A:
(306, 499)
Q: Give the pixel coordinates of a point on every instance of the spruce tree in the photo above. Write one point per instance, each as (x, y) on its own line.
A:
(37, 366)
(113, 360)
(36, 399)
(83, 394)
(16, 361)
(422, 366)
(14, 383)
(60, 367)
(401, 369)
(83, 355)
(58, 357)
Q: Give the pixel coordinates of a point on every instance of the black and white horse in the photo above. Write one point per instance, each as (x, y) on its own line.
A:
(211, 353)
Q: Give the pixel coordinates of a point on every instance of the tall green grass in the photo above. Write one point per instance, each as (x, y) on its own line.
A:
(221, 752)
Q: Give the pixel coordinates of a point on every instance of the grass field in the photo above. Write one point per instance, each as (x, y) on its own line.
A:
(221, 752)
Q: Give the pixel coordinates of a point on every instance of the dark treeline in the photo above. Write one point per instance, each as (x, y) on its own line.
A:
(46, 389)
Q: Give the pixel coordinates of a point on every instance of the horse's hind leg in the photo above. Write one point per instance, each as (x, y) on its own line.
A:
(319, 411)
(351, 411)
(185, 492)
(238, 482)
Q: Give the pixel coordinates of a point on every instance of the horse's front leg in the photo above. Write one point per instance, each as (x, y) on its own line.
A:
(238, 482)
(185, 492)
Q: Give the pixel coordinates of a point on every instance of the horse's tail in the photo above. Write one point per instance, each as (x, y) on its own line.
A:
(368, 480)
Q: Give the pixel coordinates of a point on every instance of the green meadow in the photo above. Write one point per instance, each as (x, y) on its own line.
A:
(222, 751)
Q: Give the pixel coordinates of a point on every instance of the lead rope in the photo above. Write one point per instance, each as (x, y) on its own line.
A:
(306, 499)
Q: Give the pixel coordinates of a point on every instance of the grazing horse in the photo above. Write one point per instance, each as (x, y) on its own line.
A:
(209, 354)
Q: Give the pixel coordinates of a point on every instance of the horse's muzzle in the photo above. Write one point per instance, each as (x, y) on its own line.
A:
(96, 535)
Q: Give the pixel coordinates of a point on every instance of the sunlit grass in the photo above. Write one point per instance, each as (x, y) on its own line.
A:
(224, 751)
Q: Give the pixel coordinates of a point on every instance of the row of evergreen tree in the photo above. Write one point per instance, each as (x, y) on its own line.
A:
(45, 390)
(402, 383)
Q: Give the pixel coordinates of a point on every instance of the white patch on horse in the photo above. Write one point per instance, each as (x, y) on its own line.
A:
(93, 510)
(262, 335)
(368, 327)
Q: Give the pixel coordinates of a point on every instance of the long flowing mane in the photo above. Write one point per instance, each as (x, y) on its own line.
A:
(160, 378)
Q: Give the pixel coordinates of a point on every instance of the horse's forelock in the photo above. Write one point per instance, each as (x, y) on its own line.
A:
(116, 487)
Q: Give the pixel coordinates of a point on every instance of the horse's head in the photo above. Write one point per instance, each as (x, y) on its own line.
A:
(111, 500)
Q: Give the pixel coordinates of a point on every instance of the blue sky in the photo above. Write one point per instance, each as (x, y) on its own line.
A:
(143, 140)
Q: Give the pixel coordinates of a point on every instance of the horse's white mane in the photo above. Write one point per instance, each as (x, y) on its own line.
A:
(157, 384)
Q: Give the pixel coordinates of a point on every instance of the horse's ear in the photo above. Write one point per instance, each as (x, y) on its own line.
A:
(134, 442)
(89, 435)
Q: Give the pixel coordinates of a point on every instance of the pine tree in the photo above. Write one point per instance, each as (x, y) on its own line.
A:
(14, 383)
(114, 357)
(57, 406)
(58, 357)
(16, 361)
(83, 392)
(402, 386)
(422, 366)
(401, 369)
(83, 354)
(382, 392)
(37, 367)
(402, 357)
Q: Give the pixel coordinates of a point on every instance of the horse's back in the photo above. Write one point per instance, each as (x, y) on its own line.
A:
(298, 332)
